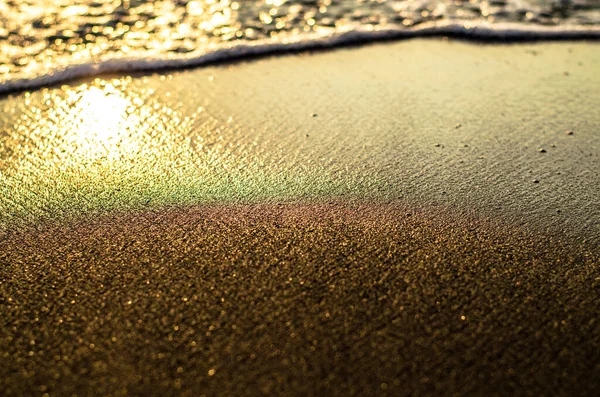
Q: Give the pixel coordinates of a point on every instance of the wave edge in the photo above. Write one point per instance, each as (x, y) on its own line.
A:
(507, 33)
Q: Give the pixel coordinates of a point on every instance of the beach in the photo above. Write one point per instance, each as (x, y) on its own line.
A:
(418, 217)
(475, 134)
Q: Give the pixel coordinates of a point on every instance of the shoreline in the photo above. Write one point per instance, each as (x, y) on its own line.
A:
(393, 127)
(396, 219)
(476, 33)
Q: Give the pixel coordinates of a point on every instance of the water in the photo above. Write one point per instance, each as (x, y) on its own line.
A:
(46, 41)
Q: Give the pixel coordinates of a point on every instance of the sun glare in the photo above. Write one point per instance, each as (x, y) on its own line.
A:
(103, 123)
(103, 113)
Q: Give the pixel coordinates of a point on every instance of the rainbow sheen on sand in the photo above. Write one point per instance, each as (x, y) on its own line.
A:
(114, 143)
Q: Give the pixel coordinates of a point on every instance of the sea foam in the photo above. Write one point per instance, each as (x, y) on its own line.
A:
(43, 44)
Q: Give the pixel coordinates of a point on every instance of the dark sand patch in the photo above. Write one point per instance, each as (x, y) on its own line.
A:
(297, 299)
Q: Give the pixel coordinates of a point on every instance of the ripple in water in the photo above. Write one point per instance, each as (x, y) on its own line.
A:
(44, 41)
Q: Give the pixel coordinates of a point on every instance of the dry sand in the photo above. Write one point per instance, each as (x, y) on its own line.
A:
(327, 299)
(362, 221)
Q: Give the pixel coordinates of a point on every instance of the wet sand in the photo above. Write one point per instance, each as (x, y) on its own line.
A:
(366, 221)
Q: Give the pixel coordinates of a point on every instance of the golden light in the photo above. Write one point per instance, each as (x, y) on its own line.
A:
(113, 144)
(103, 134)
(102, 124)
(103, 111)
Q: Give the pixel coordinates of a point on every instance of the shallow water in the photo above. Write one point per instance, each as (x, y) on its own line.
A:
(44, 41)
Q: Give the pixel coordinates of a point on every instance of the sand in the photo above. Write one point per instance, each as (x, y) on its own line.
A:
(363, 221)
(385, 126)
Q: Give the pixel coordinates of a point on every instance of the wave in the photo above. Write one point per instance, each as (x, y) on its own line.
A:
(482, 32)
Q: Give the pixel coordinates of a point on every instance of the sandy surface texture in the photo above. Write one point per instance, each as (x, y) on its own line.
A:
(400, 218)
(328, 299)
(479, 127)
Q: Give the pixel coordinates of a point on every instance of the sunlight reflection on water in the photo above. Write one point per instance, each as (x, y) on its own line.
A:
(93, 141)
(39, 38)
(117, 144)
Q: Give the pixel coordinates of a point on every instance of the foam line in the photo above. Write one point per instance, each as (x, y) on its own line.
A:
(507, 32)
